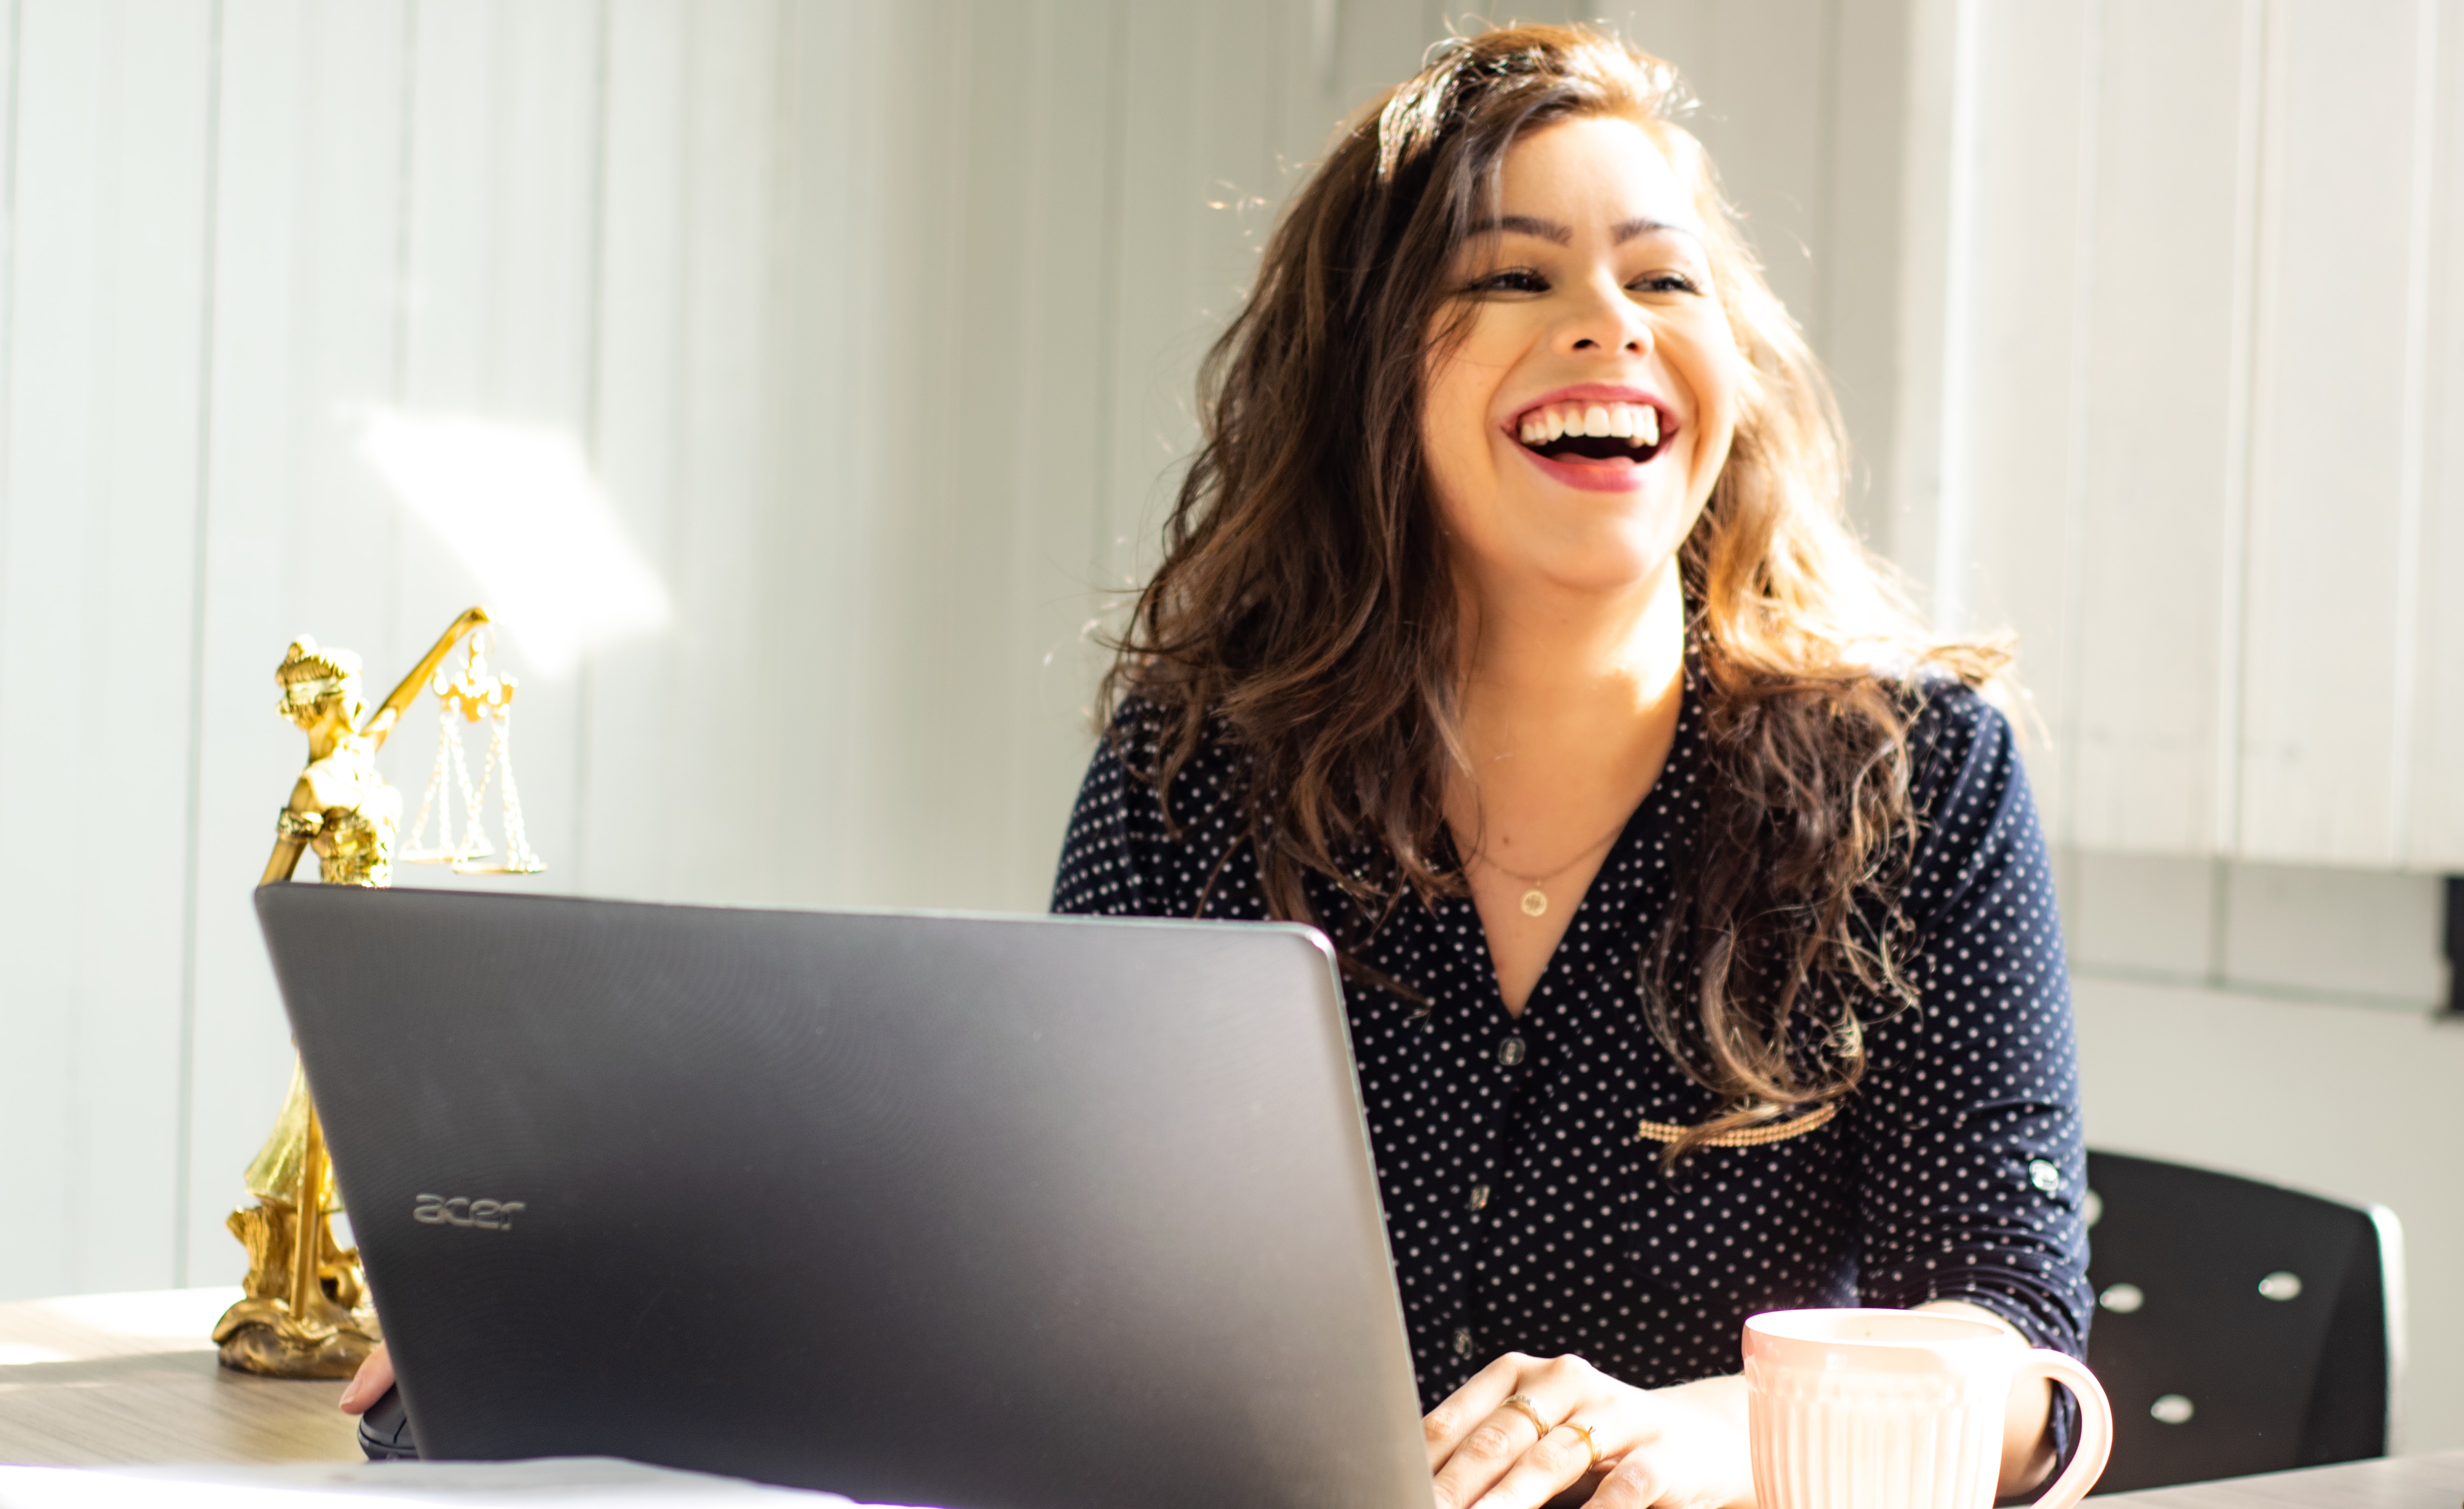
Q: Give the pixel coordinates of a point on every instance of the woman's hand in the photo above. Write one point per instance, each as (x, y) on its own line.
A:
(2028, 1421)
(369, 1384)
(1681, 1447)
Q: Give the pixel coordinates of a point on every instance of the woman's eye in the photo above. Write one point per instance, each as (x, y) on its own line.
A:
(1514, 280)
(1664, 283)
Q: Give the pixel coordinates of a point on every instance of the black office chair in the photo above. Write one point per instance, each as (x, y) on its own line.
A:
(2241, 1327)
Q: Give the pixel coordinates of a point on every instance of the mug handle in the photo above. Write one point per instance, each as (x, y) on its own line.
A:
(2096, 1424)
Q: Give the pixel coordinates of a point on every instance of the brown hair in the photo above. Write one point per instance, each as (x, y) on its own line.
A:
(1305, 609)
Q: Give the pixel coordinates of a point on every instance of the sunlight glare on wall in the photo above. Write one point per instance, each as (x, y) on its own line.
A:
(516, 504)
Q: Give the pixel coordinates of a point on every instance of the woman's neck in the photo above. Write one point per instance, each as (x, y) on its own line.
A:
(1570, 706)
(1552, 674)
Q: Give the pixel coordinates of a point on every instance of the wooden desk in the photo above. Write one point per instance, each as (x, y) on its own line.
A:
(132, 1378)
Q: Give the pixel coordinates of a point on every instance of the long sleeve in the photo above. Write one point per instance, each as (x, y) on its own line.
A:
(1121, 857)
(1098, 872)
(1974, 1168)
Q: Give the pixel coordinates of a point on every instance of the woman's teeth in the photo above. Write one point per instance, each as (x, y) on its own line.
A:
(1638, 424)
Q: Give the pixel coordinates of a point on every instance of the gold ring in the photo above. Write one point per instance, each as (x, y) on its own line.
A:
(1589, 1440)
(1522, 1402)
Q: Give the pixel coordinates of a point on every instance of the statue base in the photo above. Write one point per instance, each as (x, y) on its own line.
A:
(258, 1336)
(261, 1333)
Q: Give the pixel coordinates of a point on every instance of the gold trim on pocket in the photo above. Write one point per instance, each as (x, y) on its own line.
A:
(1743, 1135)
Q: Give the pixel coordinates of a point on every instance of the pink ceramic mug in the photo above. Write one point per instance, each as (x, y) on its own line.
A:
(1867, 1408)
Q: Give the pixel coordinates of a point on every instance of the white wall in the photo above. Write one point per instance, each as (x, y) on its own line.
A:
(2198, 337)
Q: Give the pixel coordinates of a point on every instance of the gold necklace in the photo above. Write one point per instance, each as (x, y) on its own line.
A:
(1535, 901)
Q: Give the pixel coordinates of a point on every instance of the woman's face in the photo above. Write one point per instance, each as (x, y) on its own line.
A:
(1575, 433)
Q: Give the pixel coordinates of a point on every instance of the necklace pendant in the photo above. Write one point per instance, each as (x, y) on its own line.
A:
(1534, 903)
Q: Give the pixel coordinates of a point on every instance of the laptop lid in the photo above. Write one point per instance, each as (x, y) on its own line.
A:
(974, 1211)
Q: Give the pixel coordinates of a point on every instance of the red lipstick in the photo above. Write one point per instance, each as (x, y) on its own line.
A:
(1597, 475)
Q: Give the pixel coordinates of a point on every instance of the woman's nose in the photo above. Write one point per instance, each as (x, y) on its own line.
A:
(1607, 321)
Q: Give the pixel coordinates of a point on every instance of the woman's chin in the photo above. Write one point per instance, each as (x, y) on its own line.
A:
(1612, 554)
(1610, 567)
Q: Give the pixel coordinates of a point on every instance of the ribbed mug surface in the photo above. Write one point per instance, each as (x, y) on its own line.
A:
(1855, 1440)
(1895, 1410)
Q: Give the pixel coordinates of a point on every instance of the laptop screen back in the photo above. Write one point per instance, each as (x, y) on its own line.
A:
(970, 1212)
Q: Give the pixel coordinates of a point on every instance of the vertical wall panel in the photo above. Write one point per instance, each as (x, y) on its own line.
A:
(1854, 319)
(724, 774)
(108, 304)
(299, 536)
(241, 1053)
(1052, 660)
(54, 288)
(1186, 249)
(2433, 826)
(2252, 655)
(932, 460)
(2329, 446)
(2164, 433)
(841, 257)
(32, 1033)
(140, 605)
(454, 194)
(623, 844)
(499, 284)
(350, 305)
(1034, 234)
(1939, 117)
(2033, 213)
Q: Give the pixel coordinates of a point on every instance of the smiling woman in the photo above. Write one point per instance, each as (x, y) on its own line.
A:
(1509, 630)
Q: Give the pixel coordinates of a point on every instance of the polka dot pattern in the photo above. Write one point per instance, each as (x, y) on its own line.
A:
(1522, 1210)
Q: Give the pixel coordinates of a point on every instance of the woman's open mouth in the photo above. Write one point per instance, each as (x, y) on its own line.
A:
(1597, 444)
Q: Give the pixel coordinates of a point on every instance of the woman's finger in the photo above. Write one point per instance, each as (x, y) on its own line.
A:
(1546, 1394)
(369, 1384)
(1670, 1454)
(1556, 1386)
(1553, 1464)
(1483, 1456)
(1639, 1482)
(1444, 1428)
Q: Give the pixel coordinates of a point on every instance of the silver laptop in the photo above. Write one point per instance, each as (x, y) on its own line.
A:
(978, 1211)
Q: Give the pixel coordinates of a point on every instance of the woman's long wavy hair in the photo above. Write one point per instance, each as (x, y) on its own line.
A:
(1305, 607)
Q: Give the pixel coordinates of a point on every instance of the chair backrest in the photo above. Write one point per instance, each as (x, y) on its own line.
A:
(2241, 1327)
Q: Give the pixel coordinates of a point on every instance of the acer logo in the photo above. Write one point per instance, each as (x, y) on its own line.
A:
(488, 1216)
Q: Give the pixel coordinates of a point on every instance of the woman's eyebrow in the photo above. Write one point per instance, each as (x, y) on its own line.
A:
(1526, 225)
(1551, 231)
(1623, 234)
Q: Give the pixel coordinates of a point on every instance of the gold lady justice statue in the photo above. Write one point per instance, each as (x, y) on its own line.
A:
(306, 1311)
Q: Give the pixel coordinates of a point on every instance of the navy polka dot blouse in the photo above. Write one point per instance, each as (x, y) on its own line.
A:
(1524, 1212)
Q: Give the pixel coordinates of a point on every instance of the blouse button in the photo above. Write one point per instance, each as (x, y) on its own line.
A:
(2044, 1175)
(1479, 1197)
(1462, 1341)
(1509, 1053)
